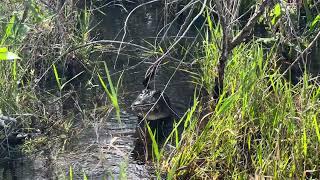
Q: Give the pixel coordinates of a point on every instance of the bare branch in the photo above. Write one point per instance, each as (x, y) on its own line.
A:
(246, 29)
(159, 60)
(125, 26)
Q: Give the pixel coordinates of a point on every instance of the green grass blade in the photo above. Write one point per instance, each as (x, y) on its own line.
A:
(316, 127)
(14, 69)
(56, 75)
(155, 147)
(85, 176)
(304, 141)
(111, 91)
(103, 84)
(70, 173)
(64, 84)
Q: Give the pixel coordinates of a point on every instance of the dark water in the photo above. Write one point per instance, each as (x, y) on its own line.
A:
(104, 148)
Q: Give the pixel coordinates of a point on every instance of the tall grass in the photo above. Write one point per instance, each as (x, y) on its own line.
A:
(161, 152)
(40, 37)
(262, 126)
(10, 68)
(111, 90)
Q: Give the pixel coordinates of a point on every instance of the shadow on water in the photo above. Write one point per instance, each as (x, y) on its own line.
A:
(103, 149)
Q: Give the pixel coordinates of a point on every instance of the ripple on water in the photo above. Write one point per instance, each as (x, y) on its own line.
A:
(112, 151)
(99, 157)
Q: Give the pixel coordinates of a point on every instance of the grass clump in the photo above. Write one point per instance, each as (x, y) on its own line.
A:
(39, 90)
(261, 126)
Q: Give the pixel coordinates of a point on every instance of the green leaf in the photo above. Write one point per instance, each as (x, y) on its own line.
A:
(8, 29)
(8, 56)
(304, 141)
(155, 147)
(84, 176)
(209, 21)
(316, 126)
(112, 92)
(3, 50)
(276, 13)
(10, 26)
(314, 22)
(277, 10)
(226, 104)
(70, 173)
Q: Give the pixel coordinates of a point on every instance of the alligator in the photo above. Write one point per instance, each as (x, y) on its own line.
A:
(151, 104)
(152, 107)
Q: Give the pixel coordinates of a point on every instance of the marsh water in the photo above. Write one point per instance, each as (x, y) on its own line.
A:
(103, 148)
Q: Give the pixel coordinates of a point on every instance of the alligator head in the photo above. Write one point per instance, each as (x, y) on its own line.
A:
(151, 105)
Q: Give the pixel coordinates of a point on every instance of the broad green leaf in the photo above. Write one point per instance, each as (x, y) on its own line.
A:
(10, 26)
(3, 50)
(8, 56)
